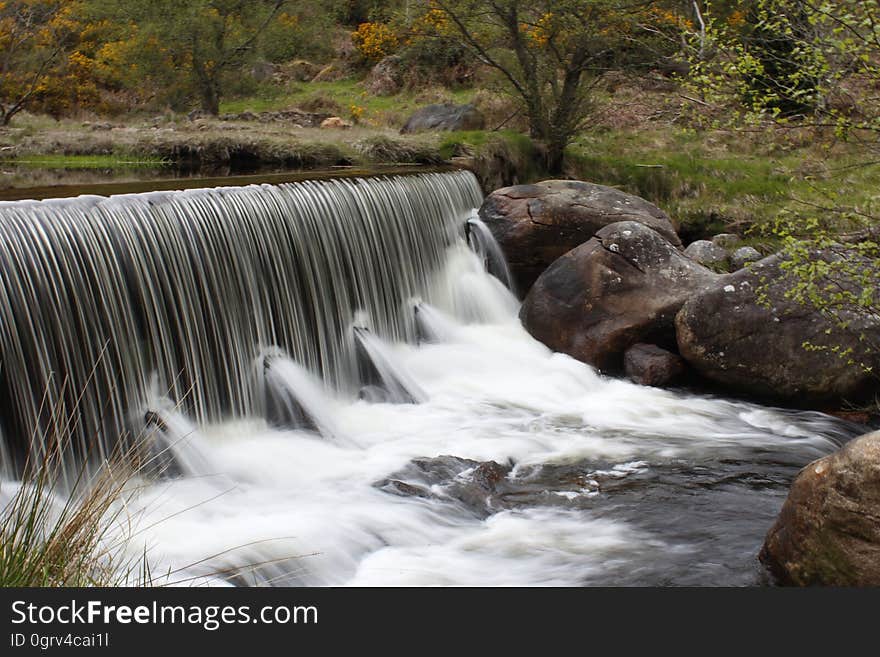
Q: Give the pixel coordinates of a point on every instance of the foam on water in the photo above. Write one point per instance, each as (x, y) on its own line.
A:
(493, 393)
(613, 483)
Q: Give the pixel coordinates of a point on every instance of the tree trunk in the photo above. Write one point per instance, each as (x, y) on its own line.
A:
(210, 98)
(555, 155)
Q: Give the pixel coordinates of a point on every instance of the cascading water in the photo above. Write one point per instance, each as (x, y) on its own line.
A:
(101, 295)
(248, 305)
(483, 243)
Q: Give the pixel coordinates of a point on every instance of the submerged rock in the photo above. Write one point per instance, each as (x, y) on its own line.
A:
(649, 365)
(536, 224)
(478, 486)
(445, 116)
(622, 287)
(743, 332)
(828, 531)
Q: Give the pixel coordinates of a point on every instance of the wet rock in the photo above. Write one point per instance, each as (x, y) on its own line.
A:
(403, 489)
(386, 77)
(489, 474)
(708, 254)
(649, 365)
(828, 531)
(439, 469)
(536, 224)
(744, 333)
(477, 486)
(743, 256)
(622, 287)
(726, 241)
(445, 116)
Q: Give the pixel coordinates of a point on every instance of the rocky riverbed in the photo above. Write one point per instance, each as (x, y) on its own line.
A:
(605, 279)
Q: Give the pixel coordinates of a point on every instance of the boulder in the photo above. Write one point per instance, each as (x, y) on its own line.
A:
(298, 70)
(445, 116)
(708, 254)
(622, 287)
(745, 334)
(726, 240)
(743, 256)
(335, 122)
(536, 224)
(330, 73)
(828, 531)
(262, 71)
(477, 486)
(386, 77)
(650, 365)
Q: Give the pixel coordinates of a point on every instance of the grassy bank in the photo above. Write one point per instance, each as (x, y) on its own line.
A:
(710, 181)
(348, 99)
(723, 181)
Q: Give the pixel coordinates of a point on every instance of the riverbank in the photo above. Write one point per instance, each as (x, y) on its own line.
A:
(709, 181)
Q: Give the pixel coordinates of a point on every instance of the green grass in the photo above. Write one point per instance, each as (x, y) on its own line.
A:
(86, 161)
(452, 143)
(713, 182)
(58, 532)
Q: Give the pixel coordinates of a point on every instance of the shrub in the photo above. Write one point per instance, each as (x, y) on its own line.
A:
(374, 41)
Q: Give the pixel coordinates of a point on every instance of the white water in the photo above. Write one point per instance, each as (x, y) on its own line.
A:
(668, 487)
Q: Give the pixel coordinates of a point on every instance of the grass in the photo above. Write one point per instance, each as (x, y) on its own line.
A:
(72, 526)
(455, 142)
(716, 182)
(340, 96)
(59, 161)
(51, 535)
(710, 181)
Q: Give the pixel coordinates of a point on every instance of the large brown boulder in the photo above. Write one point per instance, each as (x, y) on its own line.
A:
(747, 335)
(649, 365)
(535, 224)
(622, 287)
(829, 529)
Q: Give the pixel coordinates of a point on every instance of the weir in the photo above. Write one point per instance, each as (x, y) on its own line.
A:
(105, 300)
(334, 388)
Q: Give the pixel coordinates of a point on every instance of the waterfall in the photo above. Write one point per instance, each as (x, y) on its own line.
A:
(484, 245)
(101, 297)
(328, 386)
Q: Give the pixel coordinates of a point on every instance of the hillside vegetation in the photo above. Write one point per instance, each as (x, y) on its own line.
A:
(695, 106)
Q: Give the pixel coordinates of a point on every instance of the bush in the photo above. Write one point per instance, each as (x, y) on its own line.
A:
(374, 41)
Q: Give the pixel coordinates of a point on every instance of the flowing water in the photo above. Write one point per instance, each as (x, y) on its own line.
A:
(340, 393)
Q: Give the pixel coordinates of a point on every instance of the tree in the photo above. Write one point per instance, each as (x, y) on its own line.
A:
(552, 53)
(797, 62)
(35, 36)
(807, 65)
(193, 46)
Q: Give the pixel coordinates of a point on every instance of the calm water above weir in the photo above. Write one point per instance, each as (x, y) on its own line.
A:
(326, 368)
